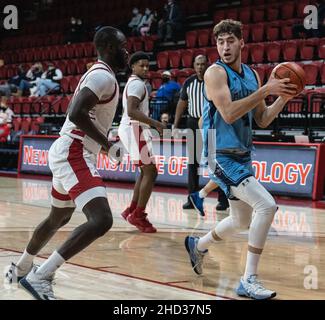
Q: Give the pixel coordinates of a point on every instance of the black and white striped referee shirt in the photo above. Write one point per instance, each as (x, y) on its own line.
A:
(192, 91)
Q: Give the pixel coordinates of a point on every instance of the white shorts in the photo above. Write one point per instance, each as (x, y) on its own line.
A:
(75, 178)
(137, 140)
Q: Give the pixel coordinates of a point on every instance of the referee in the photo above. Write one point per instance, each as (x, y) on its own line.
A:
(191, 97)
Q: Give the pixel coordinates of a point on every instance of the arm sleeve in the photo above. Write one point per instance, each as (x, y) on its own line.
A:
(135, 88)
(58, 74)
(101, 83)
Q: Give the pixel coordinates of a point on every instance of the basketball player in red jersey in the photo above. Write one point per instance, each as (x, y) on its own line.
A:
(134, 132)
(72, 159)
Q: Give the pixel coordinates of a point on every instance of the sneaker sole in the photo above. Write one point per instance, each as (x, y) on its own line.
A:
(202, 214)
(243, 293)
(27, 287)
(188, 251)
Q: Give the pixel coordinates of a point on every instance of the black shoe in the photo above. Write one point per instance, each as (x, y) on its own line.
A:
(222, 206)
(188, 205)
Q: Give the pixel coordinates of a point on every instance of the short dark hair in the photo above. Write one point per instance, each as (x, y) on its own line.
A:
(135, 57)
(228, 26)
(105, 36)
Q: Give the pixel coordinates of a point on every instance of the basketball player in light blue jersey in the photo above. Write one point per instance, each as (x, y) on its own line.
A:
(234, 96)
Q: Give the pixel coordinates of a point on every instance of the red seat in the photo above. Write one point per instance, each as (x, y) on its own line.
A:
(245, 15)
(257, 52)
(79, 50)
(54, 53)
(322, 74)
(26, 106)
(257, 31)
(25, 124)
(190, 38)
(273, 31)
(272, 12)
(289, 50)
(300, 8)
(213, 55)
(71, 67)
(232, 14)
(218, 16)
(287, 10)
(137, 44)
(198, 51)
(174, 58)
(162, 60)
(203, 37)
(16, 123)
(273, 50)
(89, 49)
(62, 65)
(156, 83)
(65, 84)
(149, 43)
(261, 72)
(311, 70)
(321, 51)
(244, 54)
(73, 83)
(246, 32)
(258, 14)
(64, 104)
(35, 124)
(62, 52)
(81, 65)
(187, 58)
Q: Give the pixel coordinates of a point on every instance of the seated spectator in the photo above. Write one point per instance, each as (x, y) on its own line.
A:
(49, 81)
(172, 22)
(4, 128)
(5, 110)
(12, 85)
(169, 88)
(165, 118)
(76, 31)
(134, 23)
(145, 23)
(32, 74)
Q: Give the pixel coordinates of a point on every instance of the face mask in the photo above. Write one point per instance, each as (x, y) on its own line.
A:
(73, 21)
(135, 11)
(147, 12)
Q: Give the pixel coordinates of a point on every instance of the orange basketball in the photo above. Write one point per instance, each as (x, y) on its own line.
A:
(293, 71)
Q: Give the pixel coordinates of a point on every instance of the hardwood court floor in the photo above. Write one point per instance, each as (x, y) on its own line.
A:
(126, 264)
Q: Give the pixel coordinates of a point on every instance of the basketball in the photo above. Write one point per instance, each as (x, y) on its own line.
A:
(293, 71)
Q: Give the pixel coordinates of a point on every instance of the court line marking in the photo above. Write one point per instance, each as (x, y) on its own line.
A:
(167, 284)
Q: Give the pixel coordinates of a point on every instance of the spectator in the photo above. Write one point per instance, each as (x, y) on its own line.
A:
(135, 21)
(169, 89)
(76, 32)
(4, 128)
(11, 87)
(32, 74)
(5, 110)
(49, 81)
(171, 23)
(165, 118)
(145, 23)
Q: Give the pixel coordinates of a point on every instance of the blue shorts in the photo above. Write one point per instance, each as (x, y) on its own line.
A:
(230, 170)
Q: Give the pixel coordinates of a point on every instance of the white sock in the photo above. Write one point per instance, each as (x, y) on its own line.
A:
(204, 242)
(25, 262)
(53, 262)
(203, 194)
(251, 264)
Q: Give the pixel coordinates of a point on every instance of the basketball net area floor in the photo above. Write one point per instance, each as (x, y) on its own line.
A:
(126, 264)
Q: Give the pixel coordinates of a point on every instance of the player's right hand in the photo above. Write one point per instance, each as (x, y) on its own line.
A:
(160, 127)
(281, 87)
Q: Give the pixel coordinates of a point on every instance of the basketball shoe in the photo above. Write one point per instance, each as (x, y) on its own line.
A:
(141, 222)
(197, 202)
(196, 256)
(15, 274)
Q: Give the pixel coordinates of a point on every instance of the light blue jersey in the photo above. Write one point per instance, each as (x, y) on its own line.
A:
(228, 146)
